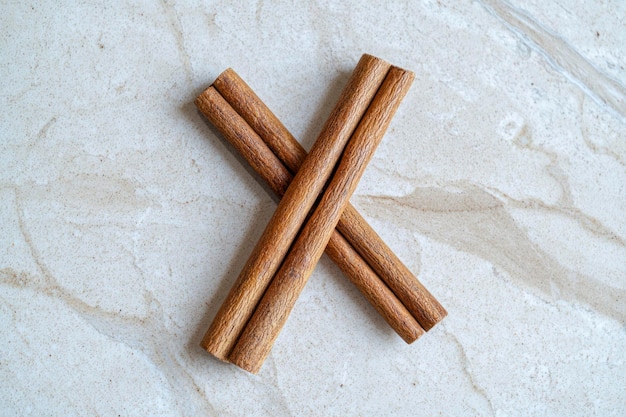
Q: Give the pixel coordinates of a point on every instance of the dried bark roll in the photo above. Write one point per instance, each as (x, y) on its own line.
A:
(422, 305)
(266, 164)
(272, 312)
(298, 200)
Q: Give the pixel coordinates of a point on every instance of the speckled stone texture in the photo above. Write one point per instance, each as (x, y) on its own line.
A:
(125, 217)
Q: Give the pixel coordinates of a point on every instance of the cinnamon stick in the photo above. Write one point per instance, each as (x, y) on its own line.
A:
(245, 140)
(272, 312)
(416, 298)
(294, 207)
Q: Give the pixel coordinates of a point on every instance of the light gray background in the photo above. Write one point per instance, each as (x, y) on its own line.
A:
(125, 218)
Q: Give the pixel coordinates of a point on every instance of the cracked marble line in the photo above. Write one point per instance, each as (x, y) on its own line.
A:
(138, 333)
(467, 368)
(104, 151)
(472, 220)
(603, 89)
(177, 31)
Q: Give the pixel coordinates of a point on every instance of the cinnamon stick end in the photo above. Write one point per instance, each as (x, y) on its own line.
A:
(247, 366)
(202, 98)
(414, 333)
(214, 349)
(226, 76)
(436, 318)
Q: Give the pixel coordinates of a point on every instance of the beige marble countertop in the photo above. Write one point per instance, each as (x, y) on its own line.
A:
(125, 217)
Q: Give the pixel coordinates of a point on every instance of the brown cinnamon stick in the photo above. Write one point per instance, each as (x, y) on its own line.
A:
(245, 140)
(416, 298)
(294, 207)
(259, 335)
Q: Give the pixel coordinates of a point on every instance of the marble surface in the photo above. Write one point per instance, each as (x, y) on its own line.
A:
(125, 217)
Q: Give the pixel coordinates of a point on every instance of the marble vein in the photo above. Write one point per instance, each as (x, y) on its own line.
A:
(596, 148)
(606, 91)
(124, 218)
(177, 31)
(147, 335)
(472, 220)
(467, 368)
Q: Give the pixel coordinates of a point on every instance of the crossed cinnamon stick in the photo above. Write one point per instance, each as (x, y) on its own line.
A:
(259, 303)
